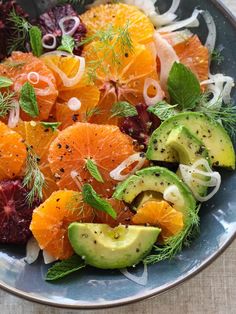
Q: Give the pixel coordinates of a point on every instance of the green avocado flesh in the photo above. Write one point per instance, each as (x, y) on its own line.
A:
(111, 248)
(189, 149)
(211, 133)
(155, 179)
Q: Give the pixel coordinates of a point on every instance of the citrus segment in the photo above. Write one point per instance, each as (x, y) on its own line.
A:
(193, 54)
(105, 145)
(39, 138)
(120, 81)
(24, 67)
(51, 219)
(124, 214)
(162, 215)
(100, 17)
(12, 153)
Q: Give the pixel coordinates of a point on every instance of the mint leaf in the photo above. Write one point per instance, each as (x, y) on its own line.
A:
(93, 199)
(123, 109)
(67, 44)
(51, 125)
(5, 82)
(163, 110)
(64, 268)
(35, 35)
(93, 170)
(28, 101)
(183, 87)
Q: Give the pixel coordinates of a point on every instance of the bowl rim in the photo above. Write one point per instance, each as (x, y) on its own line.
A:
(154, 292)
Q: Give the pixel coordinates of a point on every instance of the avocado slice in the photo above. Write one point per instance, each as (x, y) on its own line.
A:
(189, 149)
(211, 133)
(156, 179)
(104, 247)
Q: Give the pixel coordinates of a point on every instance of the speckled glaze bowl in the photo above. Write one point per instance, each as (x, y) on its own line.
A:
(92, 288)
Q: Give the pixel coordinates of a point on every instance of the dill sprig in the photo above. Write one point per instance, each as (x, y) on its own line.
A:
(176, 243)
(220, 112)
(91, 112)
(217, 56)
(114, 42)
(34, 179)
(6, 103)
(19, 32)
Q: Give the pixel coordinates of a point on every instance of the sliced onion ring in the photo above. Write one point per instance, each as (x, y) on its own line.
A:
(74, 104)
(46, 38)
(33, 78)
(213, 176)
(173, 195)
(68, 82)
(116, 173)
(76, 178)
(14, 115)
(150, 101)
(67, 19)
(137, 279)
(211, 38)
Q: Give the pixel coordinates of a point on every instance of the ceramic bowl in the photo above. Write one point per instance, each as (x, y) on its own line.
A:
(92, 288)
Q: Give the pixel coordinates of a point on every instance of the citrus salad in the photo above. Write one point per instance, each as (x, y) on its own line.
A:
(112, 131)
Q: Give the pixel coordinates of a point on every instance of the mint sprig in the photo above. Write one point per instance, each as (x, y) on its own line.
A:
(28, 101)
(51, 125)
(91, 198)
(163, 110)
(183, 87)
(35, 35)
(5, 82)
(93, 170)
(67, 44)
(123, 109)
(64, 268)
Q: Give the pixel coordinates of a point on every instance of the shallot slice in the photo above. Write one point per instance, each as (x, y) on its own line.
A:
(14, 114)
(47, 38)
(116, 173)
(173, 195)
(150, 101)
(33, 78)
(211, 38)
(68, 19)
(214, 178)
(167, 56)
(74, 104)
(48, 258)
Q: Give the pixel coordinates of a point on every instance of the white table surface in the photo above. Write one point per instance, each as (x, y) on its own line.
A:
(213, 291)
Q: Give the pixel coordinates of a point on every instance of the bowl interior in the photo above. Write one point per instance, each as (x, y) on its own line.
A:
(97, 288)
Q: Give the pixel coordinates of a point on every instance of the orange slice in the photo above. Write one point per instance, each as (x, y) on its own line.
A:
(123, 81)
(12, 153)
(51, 219)
(40, 138)
(72, 148)
(100, 17)
(18, 67)
(162, 215)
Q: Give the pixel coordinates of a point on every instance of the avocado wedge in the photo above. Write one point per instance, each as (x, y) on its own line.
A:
(104, 247)
(211, 133)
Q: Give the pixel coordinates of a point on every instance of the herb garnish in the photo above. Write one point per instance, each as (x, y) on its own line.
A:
(183, 87)
(175, 243)
(114, 42)
(20, 32)
(51, 125)
(217, 56)
(5, 82)
(64, 268)
(28, 101)
(123, 109)
(67, 44)
(93, 170)
(91, 198)
(35, 35)
(163, 110)
(33, 179)
(6, 102)
(92, 112)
